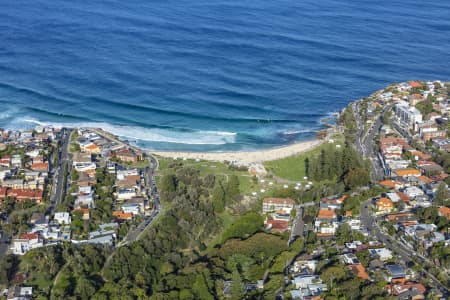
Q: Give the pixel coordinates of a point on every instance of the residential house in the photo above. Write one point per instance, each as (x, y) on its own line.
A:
(278, 204)
(359, 271)
(26, 242)
(90, 147)
(383, 253)
(302, 281)
(16, 161)
(407, 173)
(384, 205)
(40, 167)
(63, 218)
(108, 226)
(301, 264)
(125, 193)
(25, 194)
(413, 192)
(81, 158)
(326, 222)
(398, 289)
(442, 144)
(350, 259)
(122, 215)
(13, 183)
(5, 161)
(85, 213)
(84, 200)
(20, 293)
(36, 216)
(127, 157)
(394, 197)
(390, 184)
(400, 217)
(395, 273)
(277, 225)
(132, 208)
(444, 212)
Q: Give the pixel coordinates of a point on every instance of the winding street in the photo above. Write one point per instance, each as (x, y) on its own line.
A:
(365, 140)
(406, 254)
(152, 191)
(58, 188)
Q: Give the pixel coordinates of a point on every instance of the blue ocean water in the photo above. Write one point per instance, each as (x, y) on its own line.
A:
(210, 75)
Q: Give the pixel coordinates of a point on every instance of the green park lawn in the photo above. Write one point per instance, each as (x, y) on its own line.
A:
(293, 167)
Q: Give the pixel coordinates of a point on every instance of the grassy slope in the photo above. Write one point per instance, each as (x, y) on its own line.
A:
(293, 167)
(209, 167)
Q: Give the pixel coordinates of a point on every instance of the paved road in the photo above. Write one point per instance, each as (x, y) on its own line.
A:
(58, 189)
(4, 246)
(402, 251)
(297, 227)
(365, 140)
(401, 131)
(152, 191)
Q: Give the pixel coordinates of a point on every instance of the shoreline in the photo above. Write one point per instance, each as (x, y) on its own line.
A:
(246, 157)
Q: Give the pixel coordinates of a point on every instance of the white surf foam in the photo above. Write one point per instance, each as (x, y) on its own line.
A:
(200, 137)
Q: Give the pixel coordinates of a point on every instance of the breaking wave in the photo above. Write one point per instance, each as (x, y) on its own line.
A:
(141, 134)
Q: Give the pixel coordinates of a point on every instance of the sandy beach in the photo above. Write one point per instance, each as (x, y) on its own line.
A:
(246, 157)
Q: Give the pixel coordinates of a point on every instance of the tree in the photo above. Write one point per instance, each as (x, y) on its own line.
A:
(356, 177)
(441, 194)
(246, 225)
(168, 187)
(333, 274)
(237, 288)
(364, 257)
(84, 288)
(232, 188)
(8, 267)
(343, 234)
(218, 197)
(200, 288)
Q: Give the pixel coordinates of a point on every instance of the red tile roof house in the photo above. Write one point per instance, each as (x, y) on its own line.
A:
(85, 213)
(278, 225)
(41, 167)
(5, 161)
(24, 194)
(3, 193)
(122, 216)
(415, 84)
(359, 271)
(26, 242)
(444, 212)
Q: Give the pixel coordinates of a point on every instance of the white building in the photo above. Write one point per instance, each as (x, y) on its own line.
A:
(413, 192)
(302, 282)
(84, 200)
(383, 253)
(63, 218)
(407, 115)
(126, 194)
(394, 197)
(133, 208)
(16, 161)
(278, 204)
(26, 242)
(122, 174)
(84, 166)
